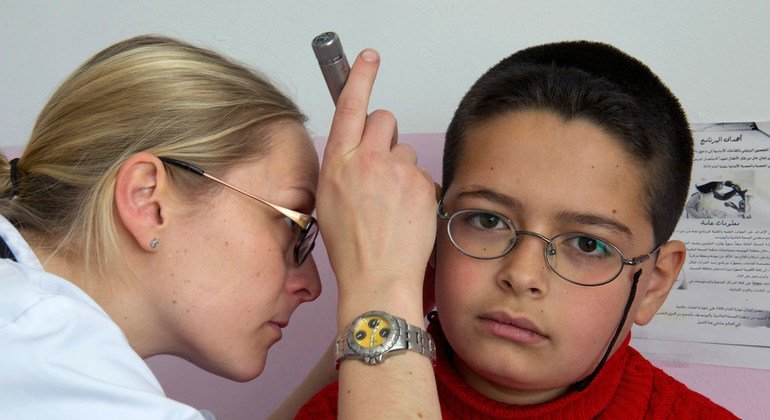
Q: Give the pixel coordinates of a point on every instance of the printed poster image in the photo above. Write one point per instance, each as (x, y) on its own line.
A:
(719, 309)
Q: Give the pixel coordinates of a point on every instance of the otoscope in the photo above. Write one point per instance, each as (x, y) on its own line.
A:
(334, 64)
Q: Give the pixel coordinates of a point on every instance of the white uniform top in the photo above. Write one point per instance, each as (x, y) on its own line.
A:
(62, 357)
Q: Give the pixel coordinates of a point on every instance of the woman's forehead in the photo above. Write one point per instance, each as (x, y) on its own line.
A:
(294, 152)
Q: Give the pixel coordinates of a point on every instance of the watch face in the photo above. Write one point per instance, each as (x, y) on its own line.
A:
(373, 333)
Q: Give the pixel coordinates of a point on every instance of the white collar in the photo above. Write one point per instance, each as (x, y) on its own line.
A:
(16, 243)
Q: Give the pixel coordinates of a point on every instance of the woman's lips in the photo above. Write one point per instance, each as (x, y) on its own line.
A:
(518, 330)
(277, 326)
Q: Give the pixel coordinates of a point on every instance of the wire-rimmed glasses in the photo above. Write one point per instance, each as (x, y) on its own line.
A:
(303, 225)
(577, 257)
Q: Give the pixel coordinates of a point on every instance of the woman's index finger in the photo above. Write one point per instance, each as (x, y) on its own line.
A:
(350, 115)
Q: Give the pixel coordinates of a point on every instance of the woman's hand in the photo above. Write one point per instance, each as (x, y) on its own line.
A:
(376, 211)
(376, 206)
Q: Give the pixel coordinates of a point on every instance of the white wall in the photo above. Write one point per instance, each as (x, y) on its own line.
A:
(714, 55)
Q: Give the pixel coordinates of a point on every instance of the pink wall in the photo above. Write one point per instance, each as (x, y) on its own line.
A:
(744, 391)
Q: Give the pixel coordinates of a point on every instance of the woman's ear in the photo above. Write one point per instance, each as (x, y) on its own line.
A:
(138, 198)
(668, 264)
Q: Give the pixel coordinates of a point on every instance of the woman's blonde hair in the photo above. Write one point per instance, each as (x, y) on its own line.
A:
(149, 93)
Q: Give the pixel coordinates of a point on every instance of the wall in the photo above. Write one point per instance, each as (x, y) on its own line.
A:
(714, 55)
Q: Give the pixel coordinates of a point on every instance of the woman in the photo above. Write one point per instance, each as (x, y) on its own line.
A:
(162, 206)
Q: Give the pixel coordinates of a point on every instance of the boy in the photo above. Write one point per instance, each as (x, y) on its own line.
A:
(566, 168)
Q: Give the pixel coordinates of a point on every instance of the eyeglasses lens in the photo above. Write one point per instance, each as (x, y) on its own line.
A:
(305, 242)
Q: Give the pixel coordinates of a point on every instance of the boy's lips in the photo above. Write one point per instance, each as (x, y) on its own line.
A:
(516, 329)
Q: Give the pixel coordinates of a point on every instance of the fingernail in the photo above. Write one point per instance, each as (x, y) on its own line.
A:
(370, 55)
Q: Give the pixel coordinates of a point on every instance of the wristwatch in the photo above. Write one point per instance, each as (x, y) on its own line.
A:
(376, 334)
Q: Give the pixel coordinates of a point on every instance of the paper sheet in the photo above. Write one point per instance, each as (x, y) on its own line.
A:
(719, 310)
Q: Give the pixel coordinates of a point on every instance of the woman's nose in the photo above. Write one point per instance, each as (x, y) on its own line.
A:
(304, 281)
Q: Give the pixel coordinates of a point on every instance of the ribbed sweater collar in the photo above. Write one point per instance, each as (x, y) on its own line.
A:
(622, 389)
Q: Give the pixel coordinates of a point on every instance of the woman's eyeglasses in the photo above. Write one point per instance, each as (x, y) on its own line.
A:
(303, 225)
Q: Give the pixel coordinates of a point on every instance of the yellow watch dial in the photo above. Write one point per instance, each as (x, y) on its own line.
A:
(371, 331)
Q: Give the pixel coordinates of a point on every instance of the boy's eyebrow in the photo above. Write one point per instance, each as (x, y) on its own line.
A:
(495, 197)
(589, 219)
(594, 220)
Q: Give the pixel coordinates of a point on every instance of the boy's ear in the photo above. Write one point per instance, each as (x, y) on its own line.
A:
(668, 264)
(138, 198)
(429, 282)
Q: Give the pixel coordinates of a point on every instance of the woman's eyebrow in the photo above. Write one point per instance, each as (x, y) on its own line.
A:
(592, 219)
(308, 196)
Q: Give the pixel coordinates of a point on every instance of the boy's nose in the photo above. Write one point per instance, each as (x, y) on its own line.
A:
(524, 270)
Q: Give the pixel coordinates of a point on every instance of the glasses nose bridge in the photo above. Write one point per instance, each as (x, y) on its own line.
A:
(547, 251)
(520, 233)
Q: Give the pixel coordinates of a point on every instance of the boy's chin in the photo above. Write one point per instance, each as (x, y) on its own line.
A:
(508, 387)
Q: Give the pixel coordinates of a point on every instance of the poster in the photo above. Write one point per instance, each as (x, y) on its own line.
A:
(719, 309)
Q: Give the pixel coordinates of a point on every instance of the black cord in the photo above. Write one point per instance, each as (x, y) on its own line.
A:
(583, 383)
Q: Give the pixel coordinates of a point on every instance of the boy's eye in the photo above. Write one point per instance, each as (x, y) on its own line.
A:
(590, 246)
(587, 244)
(481, 220)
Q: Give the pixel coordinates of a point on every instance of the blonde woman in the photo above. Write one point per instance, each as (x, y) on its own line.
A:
(162, 206)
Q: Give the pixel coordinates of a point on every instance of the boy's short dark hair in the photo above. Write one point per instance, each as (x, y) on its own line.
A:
(600, 84)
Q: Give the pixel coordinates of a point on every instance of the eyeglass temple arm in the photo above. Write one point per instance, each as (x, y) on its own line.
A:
(300, 218)
(640, 259)
(440, 210)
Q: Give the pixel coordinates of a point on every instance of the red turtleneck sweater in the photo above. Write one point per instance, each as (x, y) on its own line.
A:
(628, 386)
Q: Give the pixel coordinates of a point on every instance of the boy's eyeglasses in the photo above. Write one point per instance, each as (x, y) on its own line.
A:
(303, 225)
(579, 258)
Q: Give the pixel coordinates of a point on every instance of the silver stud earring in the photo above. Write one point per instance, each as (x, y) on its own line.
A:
(154, 243)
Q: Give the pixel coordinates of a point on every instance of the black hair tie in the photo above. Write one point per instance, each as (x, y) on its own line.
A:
(14, 177)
